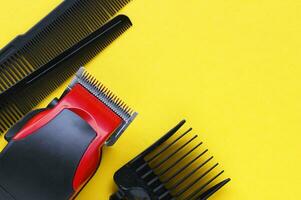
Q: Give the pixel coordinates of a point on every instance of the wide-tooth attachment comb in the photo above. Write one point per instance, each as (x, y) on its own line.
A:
(170, 169)
(46, 79)
(108, 98)
(67, 25)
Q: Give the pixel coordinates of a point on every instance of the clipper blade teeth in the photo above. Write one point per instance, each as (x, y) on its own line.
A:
(103, 94)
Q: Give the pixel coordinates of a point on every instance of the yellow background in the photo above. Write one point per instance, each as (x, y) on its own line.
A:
(231, 68)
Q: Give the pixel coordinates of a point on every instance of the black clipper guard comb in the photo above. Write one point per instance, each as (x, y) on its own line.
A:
(57, 41)
(53, 152)
(169, 172)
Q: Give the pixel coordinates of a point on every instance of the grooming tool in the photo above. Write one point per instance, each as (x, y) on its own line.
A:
(64, 27)
(33, 82)
(53, 152)
(169, 170)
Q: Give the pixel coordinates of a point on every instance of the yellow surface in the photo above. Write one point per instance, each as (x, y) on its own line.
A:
(231, 68)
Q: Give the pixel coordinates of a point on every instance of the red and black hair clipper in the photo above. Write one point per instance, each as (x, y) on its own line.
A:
(53, 152)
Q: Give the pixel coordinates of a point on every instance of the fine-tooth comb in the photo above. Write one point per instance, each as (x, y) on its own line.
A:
(43, 78)
(170, 169)
(65, 26)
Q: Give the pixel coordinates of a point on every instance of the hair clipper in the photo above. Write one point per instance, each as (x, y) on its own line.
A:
(53, 152)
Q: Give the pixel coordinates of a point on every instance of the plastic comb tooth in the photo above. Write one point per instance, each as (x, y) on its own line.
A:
(14, 106)
(172, 168)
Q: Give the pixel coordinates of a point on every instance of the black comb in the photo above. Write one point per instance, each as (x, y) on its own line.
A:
(33, 88)
(169, 170)
(65, 26)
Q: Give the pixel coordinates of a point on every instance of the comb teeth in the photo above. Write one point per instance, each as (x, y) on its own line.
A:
(48, 39)
(16, 105)
(173, 169)
(103, 94)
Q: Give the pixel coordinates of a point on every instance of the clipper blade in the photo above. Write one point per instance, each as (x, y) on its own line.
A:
(108, 98)
(170, 169)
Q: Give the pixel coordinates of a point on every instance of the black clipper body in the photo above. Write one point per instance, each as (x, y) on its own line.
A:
(53, 152)
(168, 172)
